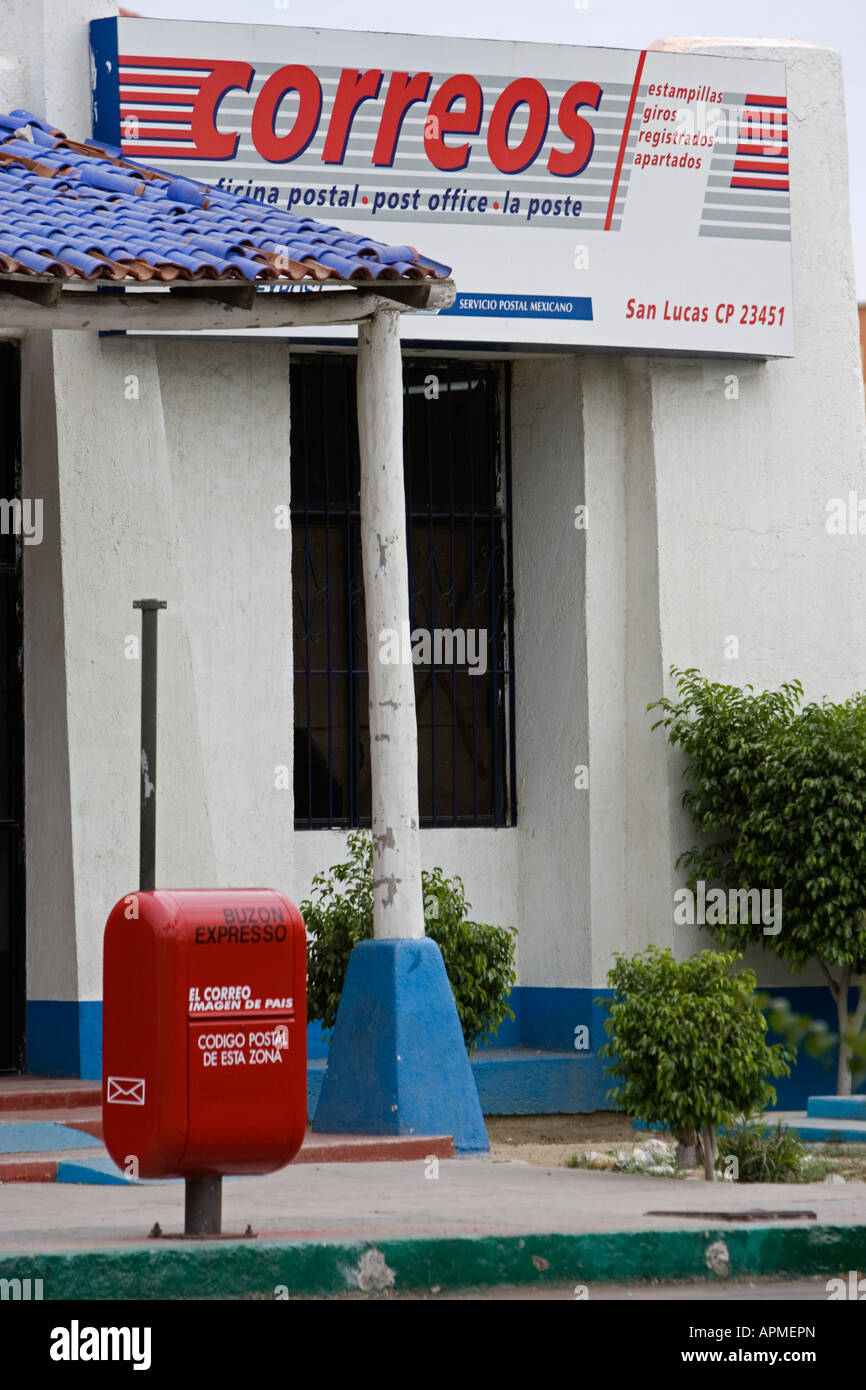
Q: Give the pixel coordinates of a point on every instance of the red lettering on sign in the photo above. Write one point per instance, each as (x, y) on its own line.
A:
(441, 120)
(279, 149)
(566, 163)
(456, 108)
(524, 91)
(403, 92)
(354, 87)
(209, 142)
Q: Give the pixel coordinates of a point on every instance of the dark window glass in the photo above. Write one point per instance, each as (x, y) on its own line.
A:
(459, 547)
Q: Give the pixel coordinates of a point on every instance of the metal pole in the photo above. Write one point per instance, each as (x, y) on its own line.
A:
(203, 1202)
(147, 821)
(203, 1206)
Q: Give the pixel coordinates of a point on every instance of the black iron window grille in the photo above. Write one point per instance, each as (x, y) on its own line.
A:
(458, 504)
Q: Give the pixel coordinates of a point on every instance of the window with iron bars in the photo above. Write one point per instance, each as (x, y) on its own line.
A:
(458, 510)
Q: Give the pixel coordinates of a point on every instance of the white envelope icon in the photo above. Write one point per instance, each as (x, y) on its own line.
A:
(125, 1090)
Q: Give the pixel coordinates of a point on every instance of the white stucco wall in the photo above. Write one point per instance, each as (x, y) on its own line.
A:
(485, 859)
(169, 467)
(550, 673)
(706, 521)
(45, 59)
(724, 519)
(770, 461)
(51, 931)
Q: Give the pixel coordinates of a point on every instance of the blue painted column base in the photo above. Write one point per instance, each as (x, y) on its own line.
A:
(397, 1063)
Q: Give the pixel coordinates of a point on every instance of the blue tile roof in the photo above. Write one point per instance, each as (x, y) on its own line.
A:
(71, 209)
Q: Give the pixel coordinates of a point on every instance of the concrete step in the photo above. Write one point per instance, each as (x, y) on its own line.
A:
(51, 1157)
(41, 1167)
(812, 1129)
(517, 1081)
(836, 1107)
(373, 1148)
(816, 1129)
(532, 1081)
(47, 1093)
(88, 1119)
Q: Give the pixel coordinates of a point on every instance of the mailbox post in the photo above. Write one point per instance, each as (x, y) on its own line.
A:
(147, 835)
(204, 1017)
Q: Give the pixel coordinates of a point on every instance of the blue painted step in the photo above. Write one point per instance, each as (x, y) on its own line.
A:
(528, 1081)
(838, 1128)
(41, 1136)
(518, 1081)
(836, 1107)
(102, 1172)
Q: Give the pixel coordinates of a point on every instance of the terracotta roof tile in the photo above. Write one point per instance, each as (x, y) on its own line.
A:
(69, 210)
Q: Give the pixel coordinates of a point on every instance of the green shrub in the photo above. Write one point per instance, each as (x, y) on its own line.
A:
(687, 1041)
(763, 1155)
(777, 790)
(479, 958)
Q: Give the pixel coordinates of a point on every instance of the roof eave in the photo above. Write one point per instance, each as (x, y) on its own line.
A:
(28, 302)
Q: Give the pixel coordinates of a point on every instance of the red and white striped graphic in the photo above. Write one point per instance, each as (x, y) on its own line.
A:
(762, 144)
(157, 96)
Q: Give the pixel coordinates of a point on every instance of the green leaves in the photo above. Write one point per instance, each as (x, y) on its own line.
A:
(687, 1040)
(778, 792)
(766, 1155)
(479, 958)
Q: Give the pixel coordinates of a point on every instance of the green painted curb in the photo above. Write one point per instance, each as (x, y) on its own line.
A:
(248, 1269)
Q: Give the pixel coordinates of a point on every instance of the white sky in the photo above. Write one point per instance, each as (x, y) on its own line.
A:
(839, 24)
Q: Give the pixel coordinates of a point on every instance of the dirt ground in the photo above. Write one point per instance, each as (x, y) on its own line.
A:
(551, 1140)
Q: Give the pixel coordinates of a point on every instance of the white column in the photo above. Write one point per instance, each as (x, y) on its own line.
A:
(398, 908)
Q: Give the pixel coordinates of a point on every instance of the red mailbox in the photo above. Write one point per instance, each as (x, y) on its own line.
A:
(204, 1032)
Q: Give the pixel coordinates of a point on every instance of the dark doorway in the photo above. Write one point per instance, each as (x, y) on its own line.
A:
(11, 723)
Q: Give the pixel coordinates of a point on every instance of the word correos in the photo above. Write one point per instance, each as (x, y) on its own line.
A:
(403, 90)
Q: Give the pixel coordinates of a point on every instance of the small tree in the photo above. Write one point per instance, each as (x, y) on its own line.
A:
(479, 959)
(781, 792)
(687, 1041)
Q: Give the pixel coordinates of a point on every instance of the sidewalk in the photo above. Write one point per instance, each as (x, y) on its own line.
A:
(334, 1227)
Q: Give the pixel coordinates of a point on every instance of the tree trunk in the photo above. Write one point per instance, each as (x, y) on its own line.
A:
(686, 1156)
(843, 1075)
(398, 907)
(710, 1143)
(849, 1022)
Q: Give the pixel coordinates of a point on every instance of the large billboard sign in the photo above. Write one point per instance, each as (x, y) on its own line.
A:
(585, 197)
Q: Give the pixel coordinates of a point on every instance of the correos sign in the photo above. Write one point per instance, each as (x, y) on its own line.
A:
(584, 197)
